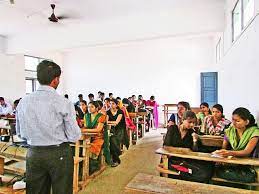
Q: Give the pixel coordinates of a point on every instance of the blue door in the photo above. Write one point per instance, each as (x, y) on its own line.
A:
(209, 88)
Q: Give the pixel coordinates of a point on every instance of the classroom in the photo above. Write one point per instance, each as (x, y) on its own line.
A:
(133, 96)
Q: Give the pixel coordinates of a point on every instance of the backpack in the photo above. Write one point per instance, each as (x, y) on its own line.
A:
(191, 170)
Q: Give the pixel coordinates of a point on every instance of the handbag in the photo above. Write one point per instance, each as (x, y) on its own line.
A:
(236, 173)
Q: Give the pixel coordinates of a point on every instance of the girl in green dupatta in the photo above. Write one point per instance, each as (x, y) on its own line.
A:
(241, 137)
(94, 123)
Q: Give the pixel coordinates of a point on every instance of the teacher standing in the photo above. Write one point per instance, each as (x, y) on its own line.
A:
(48, 122)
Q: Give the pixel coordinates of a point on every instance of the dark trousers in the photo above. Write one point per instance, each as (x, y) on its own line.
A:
(49, 167)
(115, 148)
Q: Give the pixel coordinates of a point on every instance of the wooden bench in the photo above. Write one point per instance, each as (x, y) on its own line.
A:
(143, 183)
(187, 153)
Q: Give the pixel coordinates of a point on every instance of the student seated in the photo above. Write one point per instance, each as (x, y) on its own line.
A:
(141, 103)
(152, 106)
(241, 140)
(129, 106)
(134, 101)
(94, 122)
(111, 96)
(115, 118)
(205, 111)
(83, 107)
(101, 108)
(15, 104)
(184, 136)
(91, 97)
(107, 104)
(5, 107)
(80, 99)
(216, 123)
(181, 108)
(124, 105)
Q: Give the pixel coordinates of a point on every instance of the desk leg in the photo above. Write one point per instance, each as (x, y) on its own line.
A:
(144, 120)
(143, 127)
(130, 137)
(257, 173)
(76, 168)
(137, 120)
(165, 116)
(165, 164)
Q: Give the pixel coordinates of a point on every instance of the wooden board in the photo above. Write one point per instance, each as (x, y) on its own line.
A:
(9, 190)
(142, 113)
(187, 153)
(143, 183)
(210, 140)
(16, 168)
(14, 152)
(196, 110)
(1, 165)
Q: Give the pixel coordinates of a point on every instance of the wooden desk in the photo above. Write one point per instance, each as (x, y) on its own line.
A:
(143, 183)
(83, 157)
(187, 153)
(211, 140)
(84, 145)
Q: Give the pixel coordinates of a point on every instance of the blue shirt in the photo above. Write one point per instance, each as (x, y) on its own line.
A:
(45, 118)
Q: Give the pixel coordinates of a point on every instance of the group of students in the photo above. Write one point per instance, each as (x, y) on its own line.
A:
(240, 136)
(98, 114)
(6, 109)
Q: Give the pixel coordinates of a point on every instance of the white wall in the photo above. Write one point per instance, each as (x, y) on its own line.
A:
(238, 77)
(2, 44)
(12, 79)
(12, 82)
(167, 68)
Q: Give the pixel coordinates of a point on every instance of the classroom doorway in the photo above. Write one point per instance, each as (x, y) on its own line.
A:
(209, 87)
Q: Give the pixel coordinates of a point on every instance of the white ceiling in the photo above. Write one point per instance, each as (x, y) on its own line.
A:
(104, 21)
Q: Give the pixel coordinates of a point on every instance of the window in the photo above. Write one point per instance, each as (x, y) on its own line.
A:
(242, 14)
(31, 63)
(218, 51)
(237, 24)
(248, 7)
(32, 83)
(29, 86)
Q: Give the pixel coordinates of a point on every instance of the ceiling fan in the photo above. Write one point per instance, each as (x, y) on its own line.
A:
(53, 17)
(10, 1)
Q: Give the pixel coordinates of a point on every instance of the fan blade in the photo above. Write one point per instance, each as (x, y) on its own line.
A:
(12, 1)
(62, 17)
